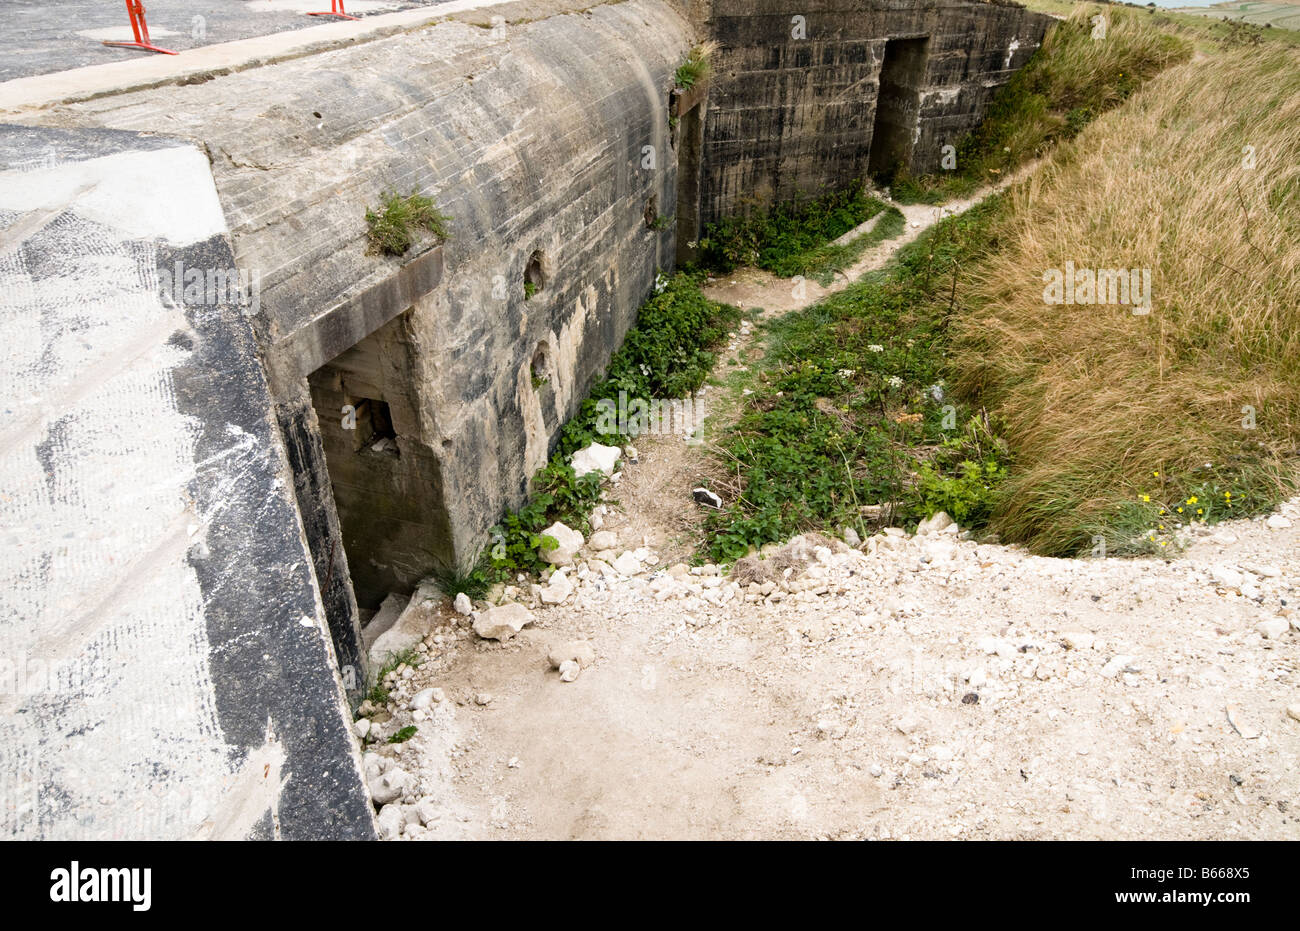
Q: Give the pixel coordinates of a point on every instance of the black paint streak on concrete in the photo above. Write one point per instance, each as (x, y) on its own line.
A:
(256, 581)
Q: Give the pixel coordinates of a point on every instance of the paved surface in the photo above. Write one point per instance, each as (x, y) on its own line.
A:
(43, 38)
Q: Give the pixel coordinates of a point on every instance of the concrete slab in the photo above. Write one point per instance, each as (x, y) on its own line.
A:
(165, 668)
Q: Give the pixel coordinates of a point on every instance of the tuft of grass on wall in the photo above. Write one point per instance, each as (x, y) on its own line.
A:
(392, 227)
(697, 67)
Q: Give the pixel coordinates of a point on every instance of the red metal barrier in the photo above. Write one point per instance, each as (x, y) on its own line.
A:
(336, 9)
(135, 10)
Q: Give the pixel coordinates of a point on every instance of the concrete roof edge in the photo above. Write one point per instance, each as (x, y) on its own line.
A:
(210, 61)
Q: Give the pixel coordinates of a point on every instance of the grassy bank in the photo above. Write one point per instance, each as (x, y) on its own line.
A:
(1116, 417)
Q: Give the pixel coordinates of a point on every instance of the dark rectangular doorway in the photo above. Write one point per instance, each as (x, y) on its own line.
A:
(898, 105)
(386, 483)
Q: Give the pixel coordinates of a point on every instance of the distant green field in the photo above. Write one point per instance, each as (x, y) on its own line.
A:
(1257, 12)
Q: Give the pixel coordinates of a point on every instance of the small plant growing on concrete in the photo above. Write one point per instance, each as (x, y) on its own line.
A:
(392, 227)
(696, 68)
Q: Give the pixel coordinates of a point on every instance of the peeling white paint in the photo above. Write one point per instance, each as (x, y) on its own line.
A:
(95, 519)
(143, 195)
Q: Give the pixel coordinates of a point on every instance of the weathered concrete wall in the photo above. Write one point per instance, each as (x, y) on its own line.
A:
(792, 102)
(545, 137)
(165, 670)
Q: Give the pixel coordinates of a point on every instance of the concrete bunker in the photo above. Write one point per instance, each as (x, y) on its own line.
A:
(411, 411)
(898, 105)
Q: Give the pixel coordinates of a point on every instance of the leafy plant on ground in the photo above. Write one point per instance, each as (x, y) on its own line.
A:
(792, 238)
(392, 227)
(851, 412)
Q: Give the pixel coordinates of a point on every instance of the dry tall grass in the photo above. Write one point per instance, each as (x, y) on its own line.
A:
(1095, 399)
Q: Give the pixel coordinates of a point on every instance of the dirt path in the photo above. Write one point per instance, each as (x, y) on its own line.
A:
(917, 687)
(653, 504)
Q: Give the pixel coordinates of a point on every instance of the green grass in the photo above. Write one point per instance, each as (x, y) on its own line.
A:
(823, 262)
(391, 228)
(1070, 81)
(696, 68)
(378, 694)
(845, 413)
(794, 238)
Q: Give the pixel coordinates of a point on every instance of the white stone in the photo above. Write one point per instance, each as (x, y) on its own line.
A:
(390, 822)
(559, 588)
(937, 523)
(627, 564)
(413, 624)
(569, 670)
(1277, 522)
(1226, 576)
(595, 458)
(422, 699)
(602, 540)
(568, 542)
(362, 727)
(462, 604)
(1293, 711)
(579, 651)
(427, 811)
(1273, 628)
(389, 786)
(502, 623)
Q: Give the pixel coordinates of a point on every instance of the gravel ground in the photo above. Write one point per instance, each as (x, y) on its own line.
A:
(914, 687)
